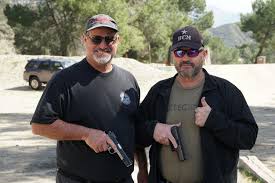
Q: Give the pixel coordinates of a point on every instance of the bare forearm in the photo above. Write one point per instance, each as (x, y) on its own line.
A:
(60, 130)
(140, 156)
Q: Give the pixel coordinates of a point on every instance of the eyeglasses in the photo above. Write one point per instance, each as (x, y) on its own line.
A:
(190, 52)
(98, 39)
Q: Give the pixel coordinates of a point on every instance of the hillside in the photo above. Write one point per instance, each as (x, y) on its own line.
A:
(6, 34)
(231, 34)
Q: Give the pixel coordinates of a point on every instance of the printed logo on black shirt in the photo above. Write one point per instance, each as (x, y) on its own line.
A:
(124, 98)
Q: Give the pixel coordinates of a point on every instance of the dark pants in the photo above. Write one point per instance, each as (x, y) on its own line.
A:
(63, 178)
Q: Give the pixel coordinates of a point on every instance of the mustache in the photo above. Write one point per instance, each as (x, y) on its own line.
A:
(188, 62)
(108, 50)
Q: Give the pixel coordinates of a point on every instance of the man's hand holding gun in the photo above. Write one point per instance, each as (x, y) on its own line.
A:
(169, 135)
(176, 134)
(119, 150)
(99, 141)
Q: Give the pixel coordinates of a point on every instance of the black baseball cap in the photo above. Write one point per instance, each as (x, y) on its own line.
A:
(101, 20)
(188, 37)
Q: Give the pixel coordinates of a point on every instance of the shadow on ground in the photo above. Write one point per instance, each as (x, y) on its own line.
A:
(14, 122)
(265, 117)
(34, 157)
(264, 148)
(26, 164)
(23, 156)
(15, 117)
(25, 88)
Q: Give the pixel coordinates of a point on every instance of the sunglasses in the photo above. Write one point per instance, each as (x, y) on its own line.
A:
(98, 39)
(189, 52)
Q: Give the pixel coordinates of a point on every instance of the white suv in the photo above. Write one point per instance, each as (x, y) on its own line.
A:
(38, 71)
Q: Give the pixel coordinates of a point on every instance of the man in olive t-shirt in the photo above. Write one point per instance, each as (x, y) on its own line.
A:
(182, 104)
(213, 117)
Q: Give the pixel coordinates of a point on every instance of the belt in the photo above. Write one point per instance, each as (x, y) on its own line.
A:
(83, 180)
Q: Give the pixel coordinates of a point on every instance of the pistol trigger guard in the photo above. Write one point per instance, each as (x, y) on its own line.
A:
(111, 150)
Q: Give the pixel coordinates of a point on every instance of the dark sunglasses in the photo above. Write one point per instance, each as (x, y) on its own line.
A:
(190, 52)
(98, 39)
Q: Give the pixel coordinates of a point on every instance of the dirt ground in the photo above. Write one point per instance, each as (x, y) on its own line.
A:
(25, 158)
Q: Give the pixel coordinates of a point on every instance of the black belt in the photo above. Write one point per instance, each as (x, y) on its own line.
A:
(83, 180)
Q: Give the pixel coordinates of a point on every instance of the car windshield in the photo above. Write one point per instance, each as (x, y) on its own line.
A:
(67, 63)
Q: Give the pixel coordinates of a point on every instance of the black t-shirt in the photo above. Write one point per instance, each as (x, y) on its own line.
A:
(106, 101)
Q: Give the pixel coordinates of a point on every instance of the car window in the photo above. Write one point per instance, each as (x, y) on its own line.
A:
(32, 65)
(57, 65)
(68, 63)
(44, 65)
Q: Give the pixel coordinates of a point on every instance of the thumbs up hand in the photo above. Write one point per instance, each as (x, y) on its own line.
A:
(202, 113)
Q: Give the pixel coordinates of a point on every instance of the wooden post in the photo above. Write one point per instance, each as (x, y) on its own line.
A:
(207, 60)
(257, 168)
(261, 60)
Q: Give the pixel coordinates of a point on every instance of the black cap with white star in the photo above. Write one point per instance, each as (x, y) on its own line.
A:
(188, 37)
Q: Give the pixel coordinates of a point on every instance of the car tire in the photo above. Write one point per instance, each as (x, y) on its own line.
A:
(35, 83)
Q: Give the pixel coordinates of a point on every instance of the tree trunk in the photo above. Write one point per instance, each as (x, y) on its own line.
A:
(150, 58)
(61, 34)
(258, 54)
(63, 49)
(262, 45)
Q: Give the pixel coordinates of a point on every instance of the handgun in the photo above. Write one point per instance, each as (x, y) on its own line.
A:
(121, 153)
(179, 149)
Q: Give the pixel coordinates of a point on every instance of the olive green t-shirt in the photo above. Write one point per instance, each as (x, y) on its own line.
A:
(182, 105)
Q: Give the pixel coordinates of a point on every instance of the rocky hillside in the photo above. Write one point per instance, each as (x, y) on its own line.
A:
(231, 34)
(6, 34)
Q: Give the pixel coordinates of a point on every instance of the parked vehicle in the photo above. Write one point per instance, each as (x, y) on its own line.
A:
(40, 71)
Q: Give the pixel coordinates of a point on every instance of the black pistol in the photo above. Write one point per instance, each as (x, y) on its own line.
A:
(121, 153)
(179, 149)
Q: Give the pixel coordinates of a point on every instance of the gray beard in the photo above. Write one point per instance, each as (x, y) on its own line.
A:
(189, 75)
(103, 59)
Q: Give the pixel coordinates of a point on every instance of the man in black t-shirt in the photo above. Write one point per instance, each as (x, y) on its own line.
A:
(84, 102)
